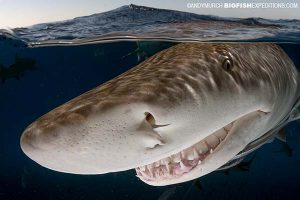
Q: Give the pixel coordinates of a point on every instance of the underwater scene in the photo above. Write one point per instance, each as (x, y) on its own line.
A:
(184, 61)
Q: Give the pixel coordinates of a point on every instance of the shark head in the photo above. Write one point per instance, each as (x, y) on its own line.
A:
(179, 115)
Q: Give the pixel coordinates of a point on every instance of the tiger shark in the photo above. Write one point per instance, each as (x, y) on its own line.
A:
(181, 114)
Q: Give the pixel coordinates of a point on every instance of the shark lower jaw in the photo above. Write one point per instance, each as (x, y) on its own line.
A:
(176, 166)
(184, 161)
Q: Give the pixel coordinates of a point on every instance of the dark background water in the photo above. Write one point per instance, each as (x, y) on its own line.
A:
(63, 73)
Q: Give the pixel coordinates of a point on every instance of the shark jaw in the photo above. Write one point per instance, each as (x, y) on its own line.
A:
(191, 162)
(184, 161)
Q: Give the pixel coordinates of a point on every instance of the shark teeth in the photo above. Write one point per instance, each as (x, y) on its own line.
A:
(184, 161)
(168, 168)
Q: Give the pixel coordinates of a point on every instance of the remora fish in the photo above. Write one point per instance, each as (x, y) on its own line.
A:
(179, 115)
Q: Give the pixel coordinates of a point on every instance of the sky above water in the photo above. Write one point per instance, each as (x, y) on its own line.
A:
(20, 13)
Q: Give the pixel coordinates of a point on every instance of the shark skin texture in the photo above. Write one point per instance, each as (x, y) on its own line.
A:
(181, 114)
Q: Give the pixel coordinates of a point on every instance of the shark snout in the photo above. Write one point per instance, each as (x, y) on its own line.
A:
(119, 139)
(27, 142)
(35, 141)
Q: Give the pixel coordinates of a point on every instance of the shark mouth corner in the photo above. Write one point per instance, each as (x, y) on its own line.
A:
(184, 161)
(177, 165)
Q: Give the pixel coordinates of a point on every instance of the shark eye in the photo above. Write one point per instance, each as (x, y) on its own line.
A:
(227, 64)
(150, 119)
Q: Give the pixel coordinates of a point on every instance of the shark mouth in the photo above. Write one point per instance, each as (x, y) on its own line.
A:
(183, 162)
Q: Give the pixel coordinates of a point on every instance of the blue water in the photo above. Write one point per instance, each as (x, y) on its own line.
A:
(51, 66)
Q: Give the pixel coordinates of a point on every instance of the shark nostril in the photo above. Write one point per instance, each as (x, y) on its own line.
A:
(152, 138)
(150, 119)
